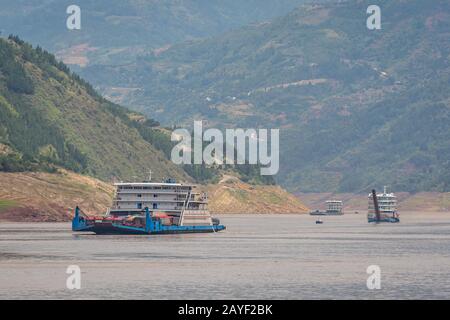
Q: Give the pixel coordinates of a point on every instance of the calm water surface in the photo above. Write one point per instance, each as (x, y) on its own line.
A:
(258, 257)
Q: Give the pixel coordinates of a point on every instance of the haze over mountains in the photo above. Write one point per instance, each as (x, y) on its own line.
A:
(115, 31)
(357, 108)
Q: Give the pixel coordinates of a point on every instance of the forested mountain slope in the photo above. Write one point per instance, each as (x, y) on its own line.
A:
(357, 108)
(49, 117)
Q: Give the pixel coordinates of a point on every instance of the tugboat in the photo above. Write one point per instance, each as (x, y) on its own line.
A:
(151, 208)
(382, 207)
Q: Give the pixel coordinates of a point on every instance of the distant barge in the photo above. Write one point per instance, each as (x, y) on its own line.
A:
(151, 208)
(334, 208)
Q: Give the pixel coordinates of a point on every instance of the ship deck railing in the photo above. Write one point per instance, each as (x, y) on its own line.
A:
(139, 191)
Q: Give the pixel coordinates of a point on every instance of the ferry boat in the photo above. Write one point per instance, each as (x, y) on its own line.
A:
(382, 207)
(334, 208)
(151, 208)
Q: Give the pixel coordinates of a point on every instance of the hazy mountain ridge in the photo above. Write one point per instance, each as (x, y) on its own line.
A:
(114, 31)
(357, 108)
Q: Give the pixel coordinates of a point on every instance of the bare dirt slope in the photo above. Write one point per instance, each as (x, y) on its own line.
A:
(50, 197)
(231, 195)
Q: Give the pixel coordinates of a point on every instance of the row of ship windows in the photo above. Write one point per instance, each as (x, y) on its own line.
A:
(155, 206)
(156, 196)
(152, 188)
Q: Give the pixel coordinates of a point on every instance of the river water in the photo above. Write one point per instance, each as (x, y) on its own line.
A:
(257, 257)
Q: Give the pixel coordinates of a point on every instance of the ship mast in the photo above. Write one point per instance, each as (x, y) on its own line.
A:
(375, 204)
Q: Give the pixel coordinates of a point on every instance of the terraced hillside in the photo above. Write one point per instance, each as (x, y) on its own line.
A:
(357, 108)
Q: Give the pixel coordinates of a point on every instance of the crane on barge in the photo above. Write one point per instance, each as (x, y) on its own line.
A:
(389, 213)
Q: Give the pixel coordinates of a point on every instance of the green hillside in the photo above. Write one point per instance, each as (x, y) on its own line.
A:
(50, 117)
(357, 108)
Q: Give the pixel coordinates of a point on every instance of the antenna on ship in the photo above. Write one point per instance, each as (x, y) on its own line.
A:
(149, 175)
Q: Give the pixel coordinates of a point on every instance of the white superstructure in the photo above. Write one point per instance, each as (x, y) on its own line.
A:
(177, 200)
(334, 207)
(387, 202)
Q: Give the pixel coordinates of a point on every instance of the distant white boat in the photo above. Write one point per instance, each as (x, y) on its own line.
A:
(382, 207)
(334, 208)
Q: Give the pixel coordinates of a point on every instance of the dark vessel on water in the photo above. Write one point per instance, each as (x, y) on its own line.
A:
(382, 207)
(151, 208)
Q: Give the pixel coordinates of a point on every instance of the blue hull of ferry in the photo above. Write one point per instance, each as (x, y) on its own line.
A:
(80, 224)
(390, 220)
